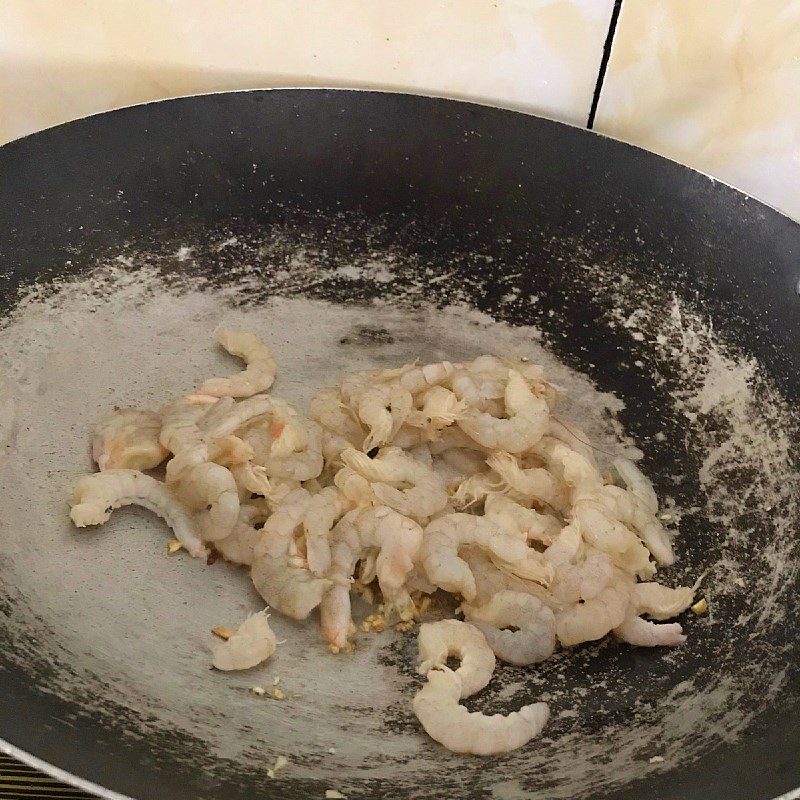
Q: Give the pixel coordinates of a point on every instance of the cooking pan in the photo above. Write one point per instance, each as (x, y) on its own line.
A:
(361, 228)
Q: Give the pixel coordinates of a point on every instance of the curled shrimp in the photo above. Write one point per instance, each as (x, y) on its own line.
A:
(210, 491)
(288, 586)
(257, 377)
(528, 417)
(445, 536)
(586, 622)
(181, 433)
(251, 643)
(301, 465)
(228, 416)
(534, 639)
(383, 409)
(518, 520)
(397, 540)
(660, 602)
(127, 438)
(440, 409)
(324, 510)
(330, 411)
(239, 545)
(417, 380)
(426, 494)
(451, 637)
(445, 720)
(533, 485)
(637, 483)
(96, 496)
(489, 579)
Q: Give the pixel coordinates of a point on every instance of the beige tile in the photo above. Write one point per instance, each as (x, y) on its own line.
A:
(715, 85)
(60, 60)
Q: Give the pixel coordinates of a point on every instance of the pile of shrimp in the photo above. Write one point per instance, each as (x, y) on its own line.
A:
(453, 477)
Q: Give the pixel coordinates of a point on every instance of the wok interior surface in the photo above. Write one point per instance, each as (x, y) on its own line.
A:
(359, 229)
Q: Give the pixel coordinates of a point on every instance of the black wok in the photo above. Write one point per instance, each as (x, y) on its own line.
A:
(661, 285)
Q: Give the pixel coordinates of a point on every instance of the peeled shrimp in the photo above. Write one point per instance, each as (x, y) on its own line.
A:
(419, 379)
(534, 484)
(448, 722)
(257, 377)
(383, 409)
(426, 494)
(96, 496)
(451, 637)
(526, 423)
(302, 465)
(210, 491)
(637, 483)
(127, 438)
(252, 642)
(535, 637)
(659, 602)
(478, 391)
(181, 434)
(583, 580)
(329, 410)
(518, 520)
(287, 586)
(446, 535)
(585, 622)
(238, 546)
(397, 540)
(489, 580)
(324, 511)
(440, 409)
(227, 416)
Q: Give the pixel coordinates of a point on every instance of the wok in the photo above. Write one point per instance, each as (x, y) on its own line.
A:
(359, 228)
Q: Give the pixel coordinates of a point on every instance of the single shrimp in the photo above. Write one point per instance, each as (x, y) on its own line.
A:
(383, 409)
(417, 380)
(659, 602)
(127, 438)
(230, 451)
(573, 437)
(631, 509)
(450, 637)
(329, 410)
(518, 520)
(181, 434)
(528, 417)
(251, 643)
(259, 374)
(302, 465)
(425, 495)
(478, 392)
(397, 540)
(238, 546)
(593, 619)
(489, 580)
(356, 488)
(448, 722)
(566, 547)
(96, 496)
(532, 485)
(324, 510)
(445, 536)
(534, 639)
(286, 585)
(228, 416)
(440, 409)
(476, 488)
(637, 483)
(210, 491)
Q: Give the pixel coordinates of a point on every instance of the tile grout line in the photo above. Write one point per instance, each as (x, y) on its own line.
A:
(598, 87)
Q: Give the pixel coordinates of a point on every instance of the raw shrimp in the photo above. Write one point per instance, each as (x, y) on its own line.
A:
(324, 511)
(535, 637)
(476, 488)
(397, 540)
(489, 579)
(127, 438)
(583, 580)
(356, 488)
(440, 409)
(586, 622)
(528, 417)
(478, 392)
(518, 520)
(228, 416)
(426, 494)
(210, 491)
(329, 410)
(534, 484)
(302, 465)
(448, 722)
(451, 637)
(383, 409)
(637, 483)
(446, 535)
(418, 379)
(181, 434)
(660, 602)
(566, 547)
(631, 509)
(230, 451)
(288, 587)
(573, 437)
(96, 496)
(257, 377)
(238, 546)
(252, 642)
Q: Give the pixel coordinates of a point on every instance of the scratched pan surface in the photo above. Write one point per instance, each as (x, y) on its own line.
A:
(359, 228)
